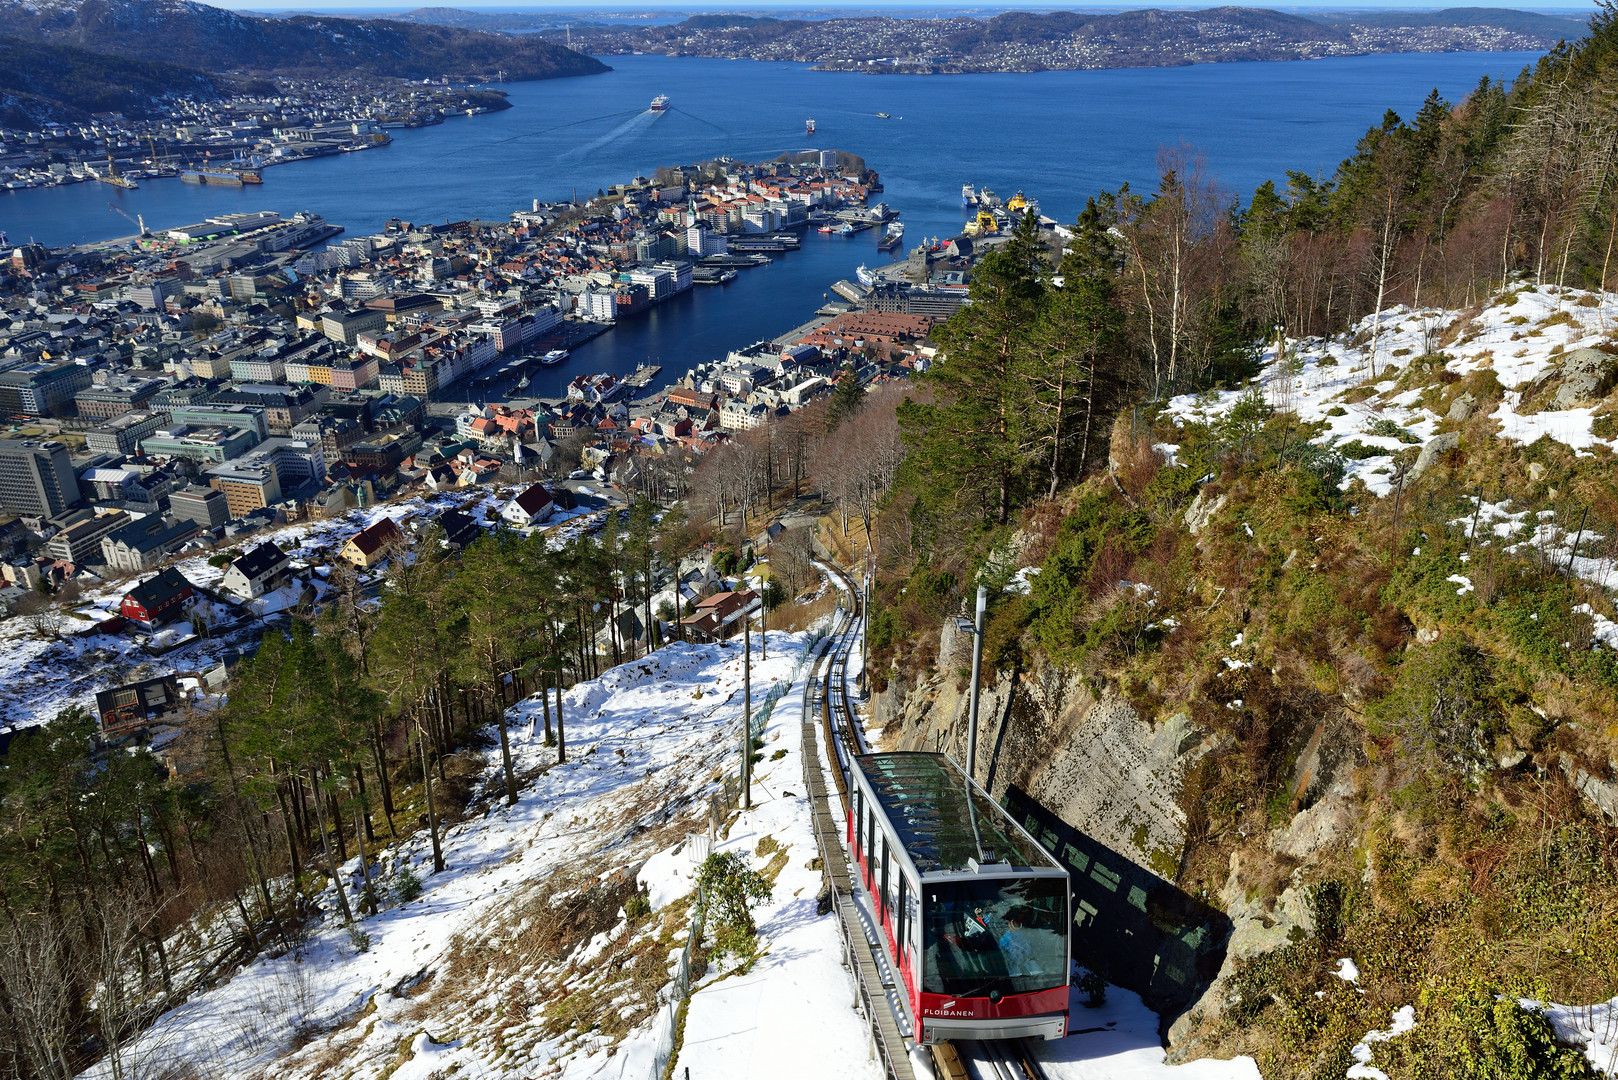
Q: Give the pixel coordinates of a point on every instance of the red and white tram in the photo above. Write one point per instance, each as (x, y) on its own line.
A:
(973, 911)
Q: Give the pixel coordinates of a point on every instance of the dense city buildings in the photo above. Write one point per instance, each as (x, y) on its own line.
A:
(179, 389)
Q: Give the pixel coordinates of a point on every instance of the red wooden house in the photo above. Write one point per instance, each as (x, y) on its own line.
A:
(157, 599)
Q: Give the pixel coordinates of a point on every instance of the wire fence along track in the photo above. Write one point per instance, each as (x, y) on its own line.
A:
(871, 991)
(668, 1016)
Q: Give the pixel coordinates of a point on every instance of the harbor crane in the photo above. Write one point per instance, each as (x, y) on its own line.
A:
(139, 220)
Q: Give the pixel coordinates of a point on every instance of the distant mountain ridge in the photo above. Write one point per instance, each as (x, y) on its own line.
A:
(1034, 41)
(1528, 22)
(40, 83)
(213, 39)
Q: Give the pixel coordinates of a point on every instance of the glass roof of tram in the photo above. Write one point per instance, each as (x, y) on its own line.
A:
(941, 820)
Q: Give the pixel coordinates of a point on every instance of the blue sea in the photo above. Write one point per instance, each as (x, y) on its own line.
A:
(1059, 136)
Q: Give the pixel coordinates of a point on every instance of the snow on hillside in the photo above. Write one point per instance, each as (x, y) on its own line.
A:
(1521, 336)
(471, 976)
(40, 675)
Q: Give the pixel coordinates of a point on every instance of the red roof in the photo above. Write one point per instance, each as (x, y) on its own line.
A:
(371, 539)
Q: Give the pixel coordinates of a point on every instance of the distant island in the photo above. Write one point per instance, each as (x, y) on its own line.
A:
(1022, 41)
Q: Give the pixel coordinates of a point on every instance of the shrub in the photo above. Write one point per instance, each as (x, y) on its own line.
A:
(730, 889)
(1247, 417)
(1094, 988)
(406, 885)
(1473, 1030)
(1093, 550)
(1443, 707)
(1355, 450)
(638, 906)
(1336, 410)
(1387, 429)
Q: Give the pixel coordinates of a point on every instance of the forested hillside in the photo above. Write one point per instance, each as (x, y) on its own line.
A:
(40, 82)
(213, 39)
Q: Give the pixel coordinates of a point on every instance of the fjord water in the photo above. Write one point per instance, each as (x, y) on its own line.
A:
(1060, 136)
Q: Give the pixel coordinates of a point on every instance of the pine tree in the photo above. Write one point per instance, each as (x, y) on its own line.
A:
(968, 446)
(846, 397)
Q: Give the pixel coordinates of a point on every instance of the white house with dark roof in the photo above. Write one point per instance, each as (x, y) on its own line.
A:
(532, 507)
(258, 572)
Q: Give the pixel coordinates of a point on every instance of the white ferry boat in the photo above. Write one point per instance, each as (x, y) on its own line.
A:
(660, 103)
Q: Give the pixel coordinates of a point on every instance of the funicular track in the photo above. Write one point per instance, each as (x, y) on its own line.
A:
(827, 701)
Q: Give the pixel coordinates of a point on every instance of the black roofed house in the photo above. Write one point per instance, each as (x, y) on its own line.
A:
(258, 572)
(124, 709)
(157, 599)
(460, 529)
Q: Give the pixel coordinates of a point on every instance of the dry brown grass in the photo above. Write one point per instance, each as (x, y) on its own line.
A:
(801, 616)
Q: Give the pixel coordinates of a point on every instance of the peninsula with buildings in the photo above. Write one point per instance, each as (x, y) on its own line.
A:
(175, 391)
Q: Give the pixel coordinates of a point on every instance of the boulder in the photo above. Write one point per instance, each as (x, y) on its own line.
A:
(1587, 376)
(1330, 821)
(1603, 794)
(1462, 408)
(1202, 510)
(1436, 446)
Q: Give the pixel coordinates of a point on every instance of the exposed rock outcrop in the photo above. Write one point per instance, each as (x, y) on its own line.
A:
(1435, 447)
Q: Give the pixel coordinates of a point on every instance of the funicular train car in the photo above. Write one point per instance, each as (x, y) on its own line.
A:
(973, 911)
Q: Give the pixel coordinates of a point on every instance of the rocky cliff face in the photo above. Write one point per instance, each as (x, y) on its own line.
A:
(1095, 762)
(1117, 776)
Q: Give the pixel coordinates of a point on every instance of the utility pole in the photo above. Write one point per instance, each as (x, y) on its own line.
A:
(865, 636)
(977, 669)
(747, 713)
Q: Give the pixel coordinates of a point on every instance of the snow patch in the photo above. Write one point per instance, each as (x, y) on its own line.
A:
(1404, 1020)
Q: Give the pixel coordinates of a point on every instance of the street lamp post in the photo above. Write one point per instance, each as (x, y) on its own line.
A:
(977, 670)
(747, 713)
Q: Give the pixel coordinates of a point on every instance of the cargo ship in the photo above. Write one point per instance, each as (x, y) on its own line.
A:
(221, 178)
(969, 195)
(891, 237)
(660, 103)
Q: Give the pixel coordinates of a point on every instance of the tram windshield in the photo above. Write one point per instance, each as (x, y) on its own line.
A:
(1006, 935)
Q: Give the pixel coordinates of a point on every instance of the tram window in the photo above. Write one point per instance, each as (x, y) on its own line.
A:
(882, 887)
(900, 923)
(870, 841)
(1007, 935)
(894, 884)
